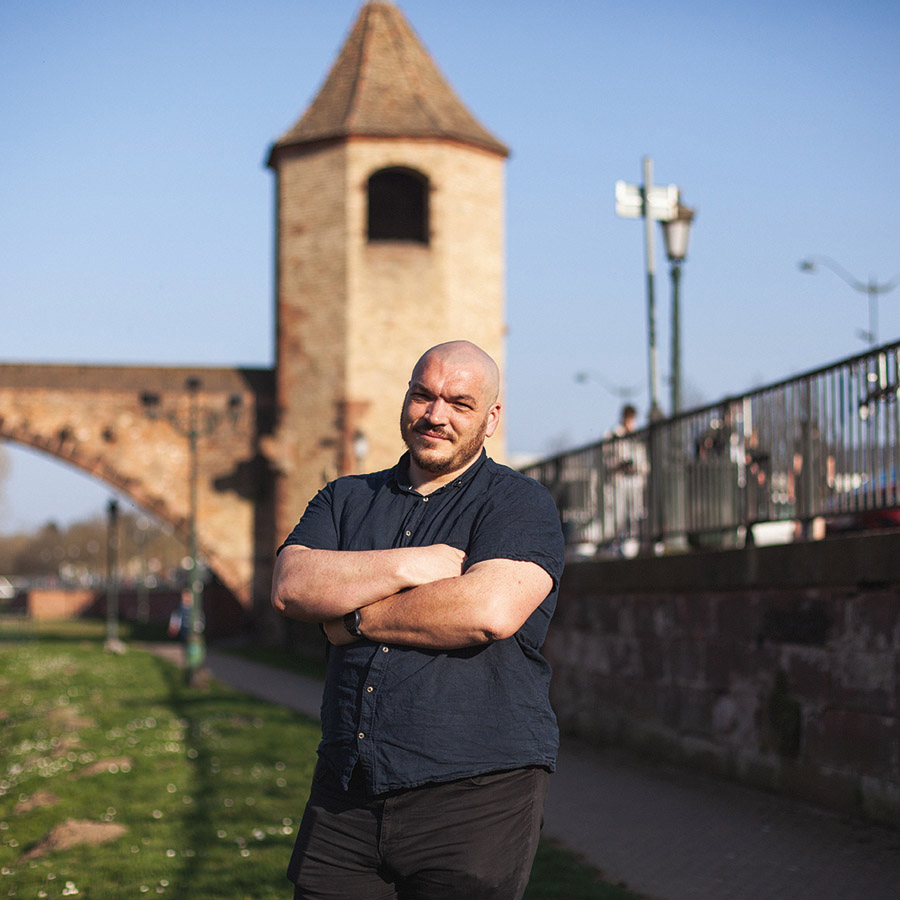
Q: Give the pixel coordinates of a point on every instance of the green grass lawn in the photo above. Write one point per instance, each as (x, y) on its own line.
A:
(204, 787)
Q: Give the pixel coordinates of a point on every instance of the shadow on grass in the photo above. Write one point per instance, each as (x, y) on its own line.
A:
(205, 714)
(16, 628)
(192, 706)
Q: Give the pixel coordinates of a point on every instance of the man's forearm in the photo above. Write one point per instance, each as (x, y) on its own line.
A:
(434, 616)
(318, 585)
(489, 603)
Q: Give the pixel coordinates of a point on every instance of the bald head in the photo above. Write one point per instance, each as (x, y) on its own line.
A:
(468, 357)
(450, 408)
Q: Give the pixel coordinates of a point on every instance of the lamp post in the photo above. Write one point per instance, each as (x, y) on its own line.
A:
(112, 578)
(143, 599)
(676, 233)
(200, 422)
(648, 202)
(873, 288)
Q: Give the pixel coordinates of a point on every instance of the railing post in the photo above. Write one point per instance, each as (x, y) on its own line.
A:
(656, 502)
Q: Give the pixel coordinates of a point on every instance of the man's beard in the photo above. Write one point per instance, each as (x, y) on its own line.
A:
(462, 453)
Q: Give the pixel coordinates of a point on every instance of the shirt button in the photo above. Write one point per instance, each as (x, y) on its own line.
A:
(384, 649)
(369, 689)
(408, 533)
(361, 735)
(424, 499)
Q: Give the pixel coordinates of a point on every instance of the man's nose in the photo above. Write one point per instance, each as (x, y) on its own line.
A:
(437, 411)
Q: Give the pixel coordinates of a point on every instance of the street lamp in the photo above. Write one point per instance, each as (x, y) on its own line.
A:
(676, 232)
(648, 202)
(143, 600)
(200, 422)
(623, 392)
(113, 643)
(872, 288)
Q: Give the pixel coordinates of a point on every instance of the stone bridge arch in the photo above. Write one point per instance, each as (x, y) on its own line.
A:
(93, 418)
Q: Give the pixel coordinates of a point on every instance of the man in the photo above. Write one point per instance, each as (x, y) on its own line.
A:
(434, 582)
(625, 458)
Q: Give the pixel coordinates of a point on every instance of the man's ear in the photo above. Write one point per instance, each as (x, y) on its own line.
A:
(493, 420)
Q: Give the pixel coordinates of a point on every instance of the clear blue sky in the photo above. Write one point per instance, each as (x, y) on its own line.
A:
(137, 212)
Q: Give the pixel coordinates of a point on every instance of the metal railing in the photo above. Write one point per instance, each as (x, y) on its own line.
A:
(812, 455)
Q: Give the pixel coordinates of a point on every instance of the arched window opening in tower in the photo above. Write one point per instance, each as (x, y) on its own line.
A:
(398, 206)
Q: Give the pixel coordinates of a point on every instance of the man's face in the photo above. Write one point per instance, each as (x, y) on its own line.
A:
(446, 414)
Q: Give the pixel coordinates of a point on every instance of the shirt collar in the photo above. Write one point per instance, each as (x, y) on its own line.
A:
(400, 474)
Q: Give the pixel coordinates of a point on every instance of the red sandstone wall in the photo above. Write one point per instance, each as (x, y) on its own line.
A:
(48, 604)
(790, 688)
(224, 615)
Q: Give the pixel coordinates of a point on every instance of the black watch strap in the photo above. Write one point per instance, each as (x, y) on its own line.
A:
(351, 623)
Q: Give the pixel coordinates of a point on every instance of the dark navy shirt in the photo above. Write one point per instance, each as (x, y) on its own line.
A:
(411, 716)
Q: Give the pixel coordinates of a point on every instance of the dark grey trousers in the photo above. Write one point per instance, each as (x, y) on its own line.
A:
(473, 839)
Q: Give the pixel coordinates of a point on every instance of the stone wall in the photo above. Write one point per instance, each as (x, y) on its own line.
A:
(55, 604)
(225, 617)
(774, 666)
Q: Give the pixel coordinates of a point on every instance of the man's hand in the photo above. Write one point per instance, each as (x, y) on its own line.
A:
(433, 563)
(336, 633)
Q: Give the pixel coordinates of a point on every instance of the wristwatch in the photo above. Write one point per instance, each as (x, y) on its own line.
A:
(351, 623)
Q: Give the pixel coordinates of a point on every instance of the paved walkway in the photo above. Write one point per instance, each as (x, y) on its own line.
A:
(668, 833)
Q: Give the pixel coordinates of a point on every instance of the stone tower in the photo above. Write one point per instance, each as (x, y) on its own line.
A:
(389, 239)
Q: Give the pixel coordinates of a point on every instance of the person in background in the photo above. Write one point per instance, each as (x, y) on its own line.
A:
(627, 467)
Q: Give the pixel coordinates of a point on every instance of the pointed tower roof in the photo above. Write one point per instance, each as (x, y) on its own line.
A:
(385, 84)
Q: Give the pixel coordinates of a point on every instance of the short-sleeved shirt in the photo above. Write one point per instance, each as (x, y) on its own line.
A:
(410, 716)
